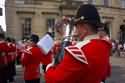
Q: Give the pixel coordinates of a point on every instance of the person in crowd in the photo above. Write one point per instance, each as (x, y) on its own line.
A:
(50, 57)
(11, 57)
(120, 49)
(114, 47)
(31, 58)
(4, 49)
(20, 46)
(88, 60)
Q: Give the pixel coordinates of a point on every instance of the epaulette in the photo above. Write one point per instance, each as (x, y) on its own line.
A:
(12, 44)
(28, 50)
(2, 41)
(11, 53)
(76, 51)
(9, 44)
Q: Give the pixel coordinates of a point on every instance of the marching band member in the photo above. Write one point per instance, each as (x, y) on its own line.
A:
(31, 59)
(4, 49)
(88, 60)
(11, 57)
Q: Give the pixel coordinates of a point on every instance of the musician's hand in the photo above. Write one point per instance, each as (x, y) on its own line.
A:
(50, 65)
(57, 47)
(73, 42)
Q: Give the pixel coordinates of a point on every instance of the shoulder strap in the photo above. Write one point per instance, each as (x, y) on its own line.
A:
(77, 53)
(28, 50)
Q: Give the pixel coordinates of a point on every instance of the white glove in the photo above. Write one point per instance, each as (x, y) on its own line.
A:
(101, 82)
(51, 64)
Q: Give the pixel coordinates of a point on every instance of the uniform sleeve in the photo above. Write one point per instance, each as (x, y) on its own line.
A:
(4, 47)
(25, 57)
(41, 57)
(67, 71)
(47, 58)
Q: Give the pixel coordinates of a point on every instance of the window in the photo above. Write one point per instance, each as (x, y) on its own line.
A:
(28, 2)
(101, 2)
(93, 1)
(105, 3)
(122, 3)
(33, 2)
(1, 13)
(19, 2)
(90, 1)
(27, 27)
(50, 25)
(107, 27)
(122, 34)
(83, 1)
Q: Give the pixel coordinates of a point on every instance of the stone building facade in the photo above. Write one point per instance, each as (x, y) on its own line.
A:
(38, 16)
(10, 13)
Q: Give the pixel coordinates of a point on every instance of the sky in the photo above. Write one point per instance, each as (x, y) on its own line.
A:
(2, 18)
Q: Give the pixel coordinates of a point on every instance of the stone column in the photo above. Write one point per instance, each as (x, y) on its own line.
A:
(38, 23)
(116, 26)
(10, 12)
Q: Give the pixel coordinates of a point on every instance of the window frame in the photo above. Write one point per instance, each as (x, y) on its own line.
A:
(122, 3)
(27, 26)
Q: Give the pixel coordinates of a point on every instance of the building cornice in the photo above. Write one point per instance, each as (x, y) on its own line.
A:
(110, 7)
(50, 13)
(52, 0)
(25, 12)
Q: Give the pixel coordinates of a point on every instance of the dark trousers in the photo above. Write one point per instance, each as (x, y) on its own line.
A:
(33, 81)
(3, 74)
(3, 81)
(11, 71)
(44, 67)
(103, 81)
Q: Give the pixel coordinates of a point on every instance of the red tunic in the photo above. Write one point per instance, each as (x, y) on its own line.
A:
(31, 59)
(11, 55)
(4, 49)
(86, 62)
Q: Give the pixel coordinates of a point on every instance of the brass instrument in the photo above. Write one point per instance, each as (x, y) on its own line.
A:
(67, 25)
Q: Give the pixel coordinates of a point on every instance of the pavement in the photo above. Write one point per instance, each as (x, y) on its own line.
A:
(19, 75)
(118, 70)
(117, 75)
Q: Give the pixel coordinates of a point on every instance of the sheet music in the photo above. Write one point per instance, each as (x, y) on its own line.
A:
(46, 43)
